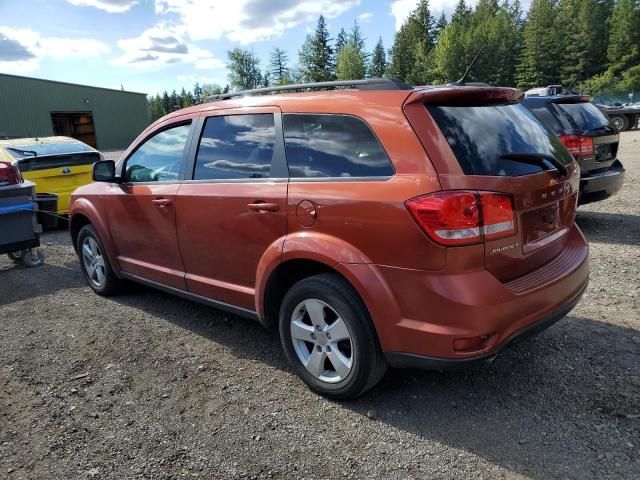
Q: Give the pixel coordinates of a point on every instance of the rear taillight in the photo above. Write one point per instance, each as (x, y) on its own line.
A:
(463, 217)
(9, 174)
(578, 145)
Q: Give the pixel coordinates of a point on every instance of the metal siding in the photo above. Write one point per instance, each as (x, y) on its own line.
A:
(26, 105)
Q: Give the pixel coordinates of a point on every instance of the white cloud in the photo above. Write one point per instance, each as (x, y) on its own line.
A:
(111, 6)
(164, 45)
(22, 49)
(247, 21)
(365, 17)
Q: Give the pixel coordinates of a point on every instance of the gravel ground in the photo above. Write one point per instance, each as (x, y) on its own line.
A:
(146, 385)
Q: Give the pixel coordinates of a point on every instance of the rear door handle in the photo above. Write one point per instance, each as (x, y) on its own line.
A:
(263, 207)
(161, 202)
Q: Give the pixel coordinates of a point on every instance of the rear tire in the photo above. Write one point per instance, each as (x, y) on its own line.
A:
(329, 339)
(33, 257)
(95, 264)
(621, 122)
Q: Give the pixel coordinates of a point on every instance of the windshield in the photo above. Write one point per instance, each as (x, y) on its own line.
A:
(482, 137)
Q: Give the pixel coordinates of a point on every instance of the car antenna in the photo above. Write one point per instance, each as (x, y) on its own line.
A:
(473, 62)
(568, 89)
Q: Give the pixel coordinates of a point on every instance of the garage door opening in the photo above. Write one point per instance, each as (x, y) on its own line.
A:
(78, 125)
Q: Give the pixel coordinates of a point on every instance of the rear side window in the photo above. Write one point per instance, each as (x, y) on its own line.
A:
(236, 147)
(481, 138)
(566, 117)
(320, 146)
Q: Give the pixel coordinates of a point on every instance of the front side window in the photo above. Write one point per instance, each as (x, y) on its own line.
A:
(159, 158)
(236, 147)
(333, 146)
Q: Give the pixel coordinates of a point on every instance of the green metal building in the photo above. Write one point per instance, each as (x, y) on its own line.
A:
(103, 118)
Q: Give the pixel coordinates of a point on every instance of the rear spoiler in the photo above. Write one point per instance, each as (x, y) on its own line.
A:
(571, 99)
(466, 96)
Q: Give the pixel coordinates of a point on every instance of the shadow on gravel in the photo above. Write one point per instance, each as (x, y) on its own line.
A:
(28, 283)
(612, 228)
(534, 410)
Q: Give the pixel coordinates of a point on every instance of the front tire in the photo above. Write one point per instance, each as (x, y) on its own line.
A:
(95, 264)
(329, 339)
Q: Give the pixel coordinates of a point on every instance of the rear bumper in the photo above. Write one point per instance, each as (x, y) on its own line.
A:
(426, 311)
(598, 186)
(408, 360)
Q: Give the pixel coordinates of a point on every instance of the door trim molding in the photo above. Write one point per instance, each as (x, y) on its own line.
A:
(243, 312)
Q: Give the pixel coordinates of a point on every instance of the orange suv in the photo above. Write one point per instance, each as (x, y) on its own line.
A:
(374, 223)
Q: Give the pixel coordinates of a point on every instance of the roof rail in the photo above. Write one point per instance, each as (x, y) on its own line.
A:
(368, 84)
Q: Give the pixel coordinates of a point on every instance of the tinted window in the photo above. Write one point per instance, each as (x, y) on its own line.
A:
(42, 163)
(480, 137)
(565, 117)
(159, 158)
(40, 149)
(333, 146)
(236, 146)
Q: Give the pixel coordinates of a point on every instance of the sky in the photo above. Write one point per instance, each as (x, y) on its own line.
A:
(154, 45)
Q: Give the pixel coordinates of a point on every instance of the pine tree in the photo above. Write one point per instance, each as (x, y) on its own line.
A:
(351, 63)
(156, 109)
(166, 102)
(341, 41)
(357, 38)
(378, 64)
(316, 55)
(440, 25)
(278, 67)
(541, 57)
(197, 94)
(461, 13)
(244, 69)
(624, 40)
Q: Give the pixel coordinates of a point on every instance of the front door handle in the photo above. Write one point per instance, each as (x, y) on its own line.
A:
(263, 207)
(161, 202)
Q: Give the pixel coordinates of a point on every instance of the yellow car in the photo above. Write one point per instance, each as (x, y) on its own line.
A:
(56, 165)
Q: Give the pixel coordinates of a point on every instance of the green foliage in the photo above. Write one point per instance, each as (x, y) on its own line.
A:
(244, 69)
(351, 63)
(316, 55)
(278, 68)
(378, 64)
(624, 41)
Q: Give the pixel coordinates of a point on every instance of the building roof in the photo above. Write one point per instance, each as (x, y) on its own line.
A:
(70, 84)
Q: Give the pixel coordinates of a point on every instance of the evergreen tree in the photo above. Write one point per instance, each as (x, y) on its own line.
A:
(316, 55)
(166, 102)
(449, 53)
(351, 63)
(378, 64)
(174, 102)
(541, 57)
(461, 13)
(244, 69)
(357, 38)
(439, 26)
(278, 67)
(156, 109)
(197, 94)
(624, 40)
(341, 41)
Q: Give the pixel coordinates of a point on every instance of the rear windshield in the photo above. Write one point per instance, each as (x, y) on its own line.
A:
(481, 137)
(40, 149)
(59, 161)
(566, 117)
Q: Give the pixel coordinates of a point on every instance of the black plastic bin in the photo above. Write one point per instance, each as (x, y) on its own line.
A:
(47, 210)
(18, 226)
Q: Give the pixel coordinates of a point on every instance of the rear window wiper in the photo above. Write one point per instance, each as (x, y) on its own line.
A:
(19, 151)
(540, 159)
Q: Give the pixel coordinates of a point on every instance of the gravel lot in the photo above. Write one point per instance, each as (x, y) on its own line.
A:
(146, 385)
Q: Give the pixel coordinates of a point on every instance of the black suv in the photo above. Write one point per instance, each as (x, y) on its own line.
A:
(588, 135)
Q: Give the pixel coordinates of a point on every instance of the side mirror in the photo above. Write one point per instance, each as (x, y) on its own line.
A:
(104, 171)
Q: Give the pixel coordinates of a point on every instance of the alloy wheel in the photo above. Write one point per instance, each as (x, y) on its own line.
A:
(322, 341)
(93, 262)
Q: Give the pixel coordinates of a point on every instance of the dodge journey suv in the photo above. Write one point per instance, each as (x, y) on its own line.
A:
(375, 224)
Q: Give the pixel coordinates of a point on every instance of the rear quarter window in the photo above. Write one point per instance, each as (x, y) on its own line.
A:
(480, 137)
(333, 146)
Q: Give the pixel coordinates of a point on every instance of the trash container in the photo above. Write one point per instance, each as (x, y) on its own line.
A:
(47, 210)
